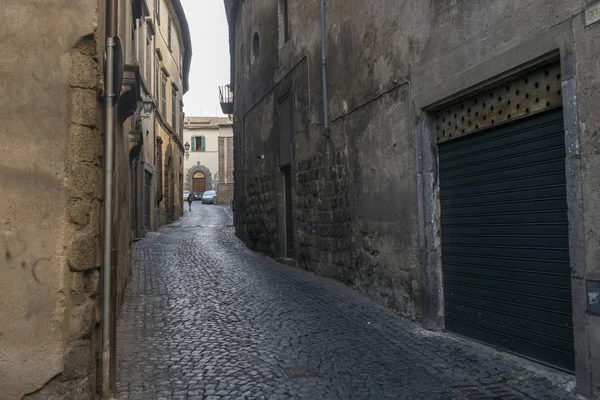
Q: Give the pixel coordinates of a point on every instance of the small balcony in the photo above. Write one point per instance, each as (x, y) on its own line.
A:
(226, 99)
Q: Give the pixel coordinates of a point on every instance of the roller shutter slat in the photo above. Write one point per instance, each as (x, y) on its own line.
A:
(505, 247)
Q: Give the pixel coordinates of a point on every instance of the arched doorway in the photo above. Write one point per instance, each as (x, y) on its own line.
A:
(191, 173)
(199, 182)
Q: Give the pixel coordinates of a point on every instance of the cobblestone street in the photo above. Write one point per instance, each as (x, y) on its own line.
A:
(205, 318)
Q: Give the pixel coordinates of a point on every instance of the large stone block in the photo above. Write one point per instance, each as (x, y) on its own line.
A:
(85, 144)
(84, 71)
(84, 107)
(82, 321)
(77, 285)
(85, 181)
(79, 360)
(78, 211)
(82, 252)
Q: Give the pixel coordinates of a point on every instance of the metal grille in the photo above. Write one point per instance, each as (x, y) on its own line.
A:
(525, 96)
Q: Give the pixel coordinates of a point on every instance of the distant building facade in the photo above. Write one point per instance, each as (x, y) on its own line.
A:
(441, 157)
(209, 161)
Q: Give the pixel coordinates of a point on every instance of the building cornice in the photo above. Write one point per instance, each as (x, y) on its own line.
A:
(231, 9)
(187, 42)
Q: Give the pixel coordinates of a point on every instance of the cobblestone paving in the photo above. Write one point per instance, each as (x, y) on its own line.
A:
(205, 318)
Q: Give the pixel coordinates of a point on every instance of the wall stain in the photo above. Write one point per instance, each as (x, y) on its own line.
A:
(34, 265)
(15, 251)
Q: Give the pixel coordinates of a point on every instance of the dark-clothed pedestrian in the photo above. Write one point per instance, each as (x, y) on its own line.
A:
(190, 199)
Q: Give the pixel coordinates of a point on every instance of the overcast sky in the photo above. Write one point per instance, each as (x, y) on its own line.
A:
(210, 61)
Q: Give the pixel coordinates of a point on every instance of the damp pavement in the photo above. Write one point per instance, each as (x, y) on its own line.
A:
(206, 318)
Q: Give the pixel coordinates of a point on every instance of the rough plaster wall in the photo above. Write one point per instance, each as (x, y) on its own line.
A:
(456, 35)
(50, 190)
(386, 226)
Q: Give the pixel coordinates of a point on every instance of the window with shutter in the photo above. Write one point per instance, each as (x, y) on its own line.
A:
(156, 74)
(163, 106)
(174, 109)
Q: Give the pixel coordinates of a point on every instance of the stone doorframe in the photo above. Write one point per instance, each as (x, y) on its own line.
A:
(198, 168)
(553, 44)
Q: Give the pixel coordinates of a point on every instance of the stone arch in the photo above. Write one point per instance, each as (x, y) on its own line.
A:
(198, 168)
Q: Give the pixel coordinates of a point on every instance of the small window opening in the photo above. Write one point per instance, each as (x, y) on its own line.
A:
(255, 46)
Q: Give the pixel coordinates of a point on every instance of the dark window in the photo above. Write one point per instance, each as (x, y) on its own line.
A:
(174, 106)
(157, 6)
(156, 75)
(163, 105)
(181, 119)
(286, 21)
(170, 33)
(255, 46)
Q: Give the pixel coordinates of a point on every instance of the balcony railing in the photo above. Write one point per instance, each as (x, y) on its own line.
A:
(226, 99)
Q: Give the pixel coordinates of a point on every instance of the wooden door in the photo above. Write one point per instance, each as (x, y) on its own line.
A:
(199, 182)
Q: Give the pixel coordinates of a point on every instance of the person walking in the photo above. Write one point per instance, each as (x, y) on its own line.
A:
(190, 199)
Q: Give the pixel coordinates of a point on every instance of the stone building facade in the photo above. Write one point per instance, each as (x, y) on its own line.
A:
(171, 69)
(52, 185)
(349, 165)
(209, 161)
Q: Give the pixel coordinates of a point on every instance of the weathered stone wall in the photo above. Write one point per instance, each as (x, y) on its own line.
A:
(51, 185)
(258, 224)
(387, 64)
(323, 215)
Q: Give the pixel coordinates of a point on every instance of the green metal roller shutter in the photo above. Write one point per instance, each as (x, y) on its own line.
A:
(505, 247)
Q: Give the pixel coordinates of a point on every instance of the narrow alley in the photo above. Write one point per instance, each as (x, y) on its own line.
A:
(205, 318)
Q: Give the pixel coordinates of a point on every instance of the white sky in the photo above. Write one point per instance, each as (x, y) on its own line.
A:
(210, 59)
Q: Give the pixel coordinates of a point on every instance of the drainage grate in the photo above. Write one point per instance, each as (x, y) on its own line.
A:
(299, 372)
(490, 392)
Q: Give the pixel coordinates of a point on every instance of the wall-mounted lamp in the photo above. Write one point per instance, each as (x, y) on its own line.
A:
(186, 146)
(148, 107)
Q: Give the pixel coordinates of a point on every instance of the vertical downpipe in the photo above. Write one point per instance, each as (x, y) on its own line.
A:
(324, 69)
(109, 126)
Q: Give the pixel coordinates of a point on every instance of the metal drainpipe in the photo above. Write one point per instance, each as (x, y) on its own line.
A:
(324, 68)
(109, 126)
